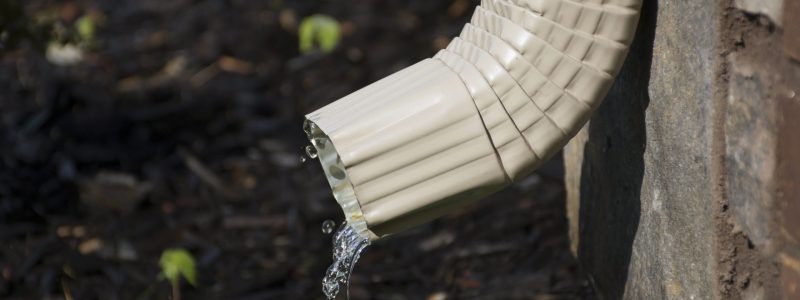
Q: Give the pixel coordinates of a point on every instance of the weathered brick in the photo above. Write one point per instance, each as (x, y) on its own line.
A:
(750, 149)
(686, 182)
(773, 9)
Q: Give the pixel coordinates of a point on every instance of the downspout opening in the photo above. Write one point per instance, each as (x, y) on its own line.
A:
(336, 174)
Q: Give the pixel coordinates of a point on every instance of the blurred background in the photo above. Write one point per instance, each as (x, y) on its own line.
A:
(132, 127)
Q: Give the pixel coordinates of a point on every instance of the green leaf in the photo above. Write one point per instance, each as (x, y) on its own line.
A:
(86, 28)
(306, 34)
(320, 29)
(328, 33)
(177, 262)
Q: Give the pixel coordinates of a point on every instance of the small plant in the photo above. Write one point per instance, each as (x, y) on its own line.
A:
(69, 43)
(85, 26)
(177, 263)
(320, 29)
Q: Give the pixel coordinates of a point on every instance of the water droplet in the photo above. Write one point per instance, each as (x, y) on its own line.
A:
(328, 226)
(311, 151)
(303, 159)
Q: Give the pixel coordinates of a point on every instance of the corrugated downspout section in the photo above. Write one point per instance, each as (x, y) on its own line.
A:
(522, 78)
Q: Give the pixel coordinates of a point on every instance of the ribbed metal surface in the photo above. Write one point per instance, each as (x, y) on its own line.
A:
(521, 79)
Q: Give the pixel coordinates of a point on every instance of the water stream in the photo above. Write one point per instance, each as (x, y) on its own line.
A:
(347, 242)
(347, 247)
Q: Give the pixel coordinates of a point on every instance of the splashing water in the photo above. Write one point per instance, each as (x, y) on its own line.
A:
(347, 247)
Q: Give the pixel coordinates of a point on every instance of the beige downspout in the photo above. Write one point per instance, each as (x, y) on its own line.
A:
(522, 78)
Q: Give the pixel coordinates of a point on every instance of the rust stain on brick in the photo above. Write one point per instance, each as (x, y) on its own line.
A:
(791, 31)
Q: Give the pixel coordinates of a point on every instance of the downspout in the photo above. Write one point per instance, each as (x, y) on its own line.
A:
(504, 96)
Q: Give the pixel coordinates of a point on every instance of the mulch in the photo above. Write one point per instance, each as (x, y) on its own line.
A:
(181, 127)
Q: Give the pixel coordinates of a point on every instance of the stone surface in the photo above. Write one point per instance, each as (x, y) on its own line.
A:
(644, 200)
(773, 9)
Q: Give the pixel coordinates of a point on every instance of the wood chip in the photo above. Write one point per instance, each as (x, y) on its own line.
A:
(437, 296)
(63, 231)
(90, 246)
(78, 231)
(235, 65)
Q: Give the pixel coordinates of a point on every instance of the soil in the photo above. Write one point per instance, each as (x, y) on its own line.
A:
(181, 128)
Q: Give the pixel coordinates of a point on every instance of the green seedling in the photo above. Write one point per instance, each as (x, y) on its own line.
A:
(85, 27)
(68, 45)
(321, 30)
(177, 263)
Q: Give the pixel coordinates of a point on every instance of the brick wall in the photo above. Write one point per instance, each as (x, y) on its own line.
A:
(686, 182)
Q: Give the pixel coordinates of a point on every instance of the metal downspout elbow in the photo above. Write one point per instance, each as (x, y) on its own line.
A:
(505, 95)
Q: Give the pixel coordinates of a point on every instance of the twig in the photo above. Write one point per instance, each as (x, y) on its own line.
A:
(204, 75)
(176, 290)
(66, 289)
(205, 174)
